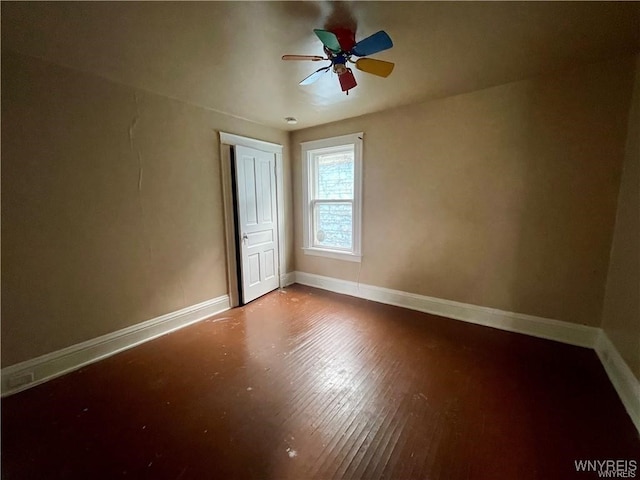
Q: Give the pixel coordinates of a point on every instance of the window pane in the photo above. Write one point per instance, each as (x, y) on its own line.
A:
(333, 225)
(334, 175)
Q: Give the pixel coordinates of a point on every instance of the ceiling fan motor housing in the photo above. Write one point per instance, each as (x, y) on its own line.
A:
(339, 62)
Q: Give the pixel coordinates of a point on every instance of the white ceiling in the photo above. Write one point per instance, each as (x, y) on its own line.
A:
(226, 55)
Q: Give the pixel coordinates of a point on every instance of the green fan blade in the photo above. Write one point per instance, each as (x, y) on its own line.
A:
(329, 40)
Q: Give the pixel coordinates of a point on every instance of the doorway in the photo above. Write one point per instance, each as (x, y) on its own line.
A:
(254, 216)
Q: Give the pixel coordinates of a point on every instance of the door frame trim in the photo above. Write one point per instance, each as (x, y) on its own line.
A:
(228, 141)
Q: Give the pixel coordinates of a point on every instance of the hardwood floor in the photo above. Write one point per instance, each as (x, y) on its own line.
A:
(309, 384)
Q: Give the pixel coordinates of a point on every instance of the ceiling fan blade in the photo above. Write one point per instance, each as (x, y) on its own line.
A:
(376, 67)
(315, 76)
(329, 39)
(347, 80)
(346, 38)
(313, 58)
(375, 43)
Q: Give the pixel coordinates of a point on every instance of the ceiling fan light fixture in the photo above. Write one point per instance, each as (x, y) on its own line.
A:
(291, 120)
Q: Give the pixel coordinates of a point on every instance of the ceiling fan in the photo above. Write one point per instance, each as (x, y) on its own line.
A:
(339, 46)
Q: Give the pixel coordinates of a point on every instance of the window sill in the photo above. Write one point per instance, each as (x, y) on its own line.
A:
(336, 255)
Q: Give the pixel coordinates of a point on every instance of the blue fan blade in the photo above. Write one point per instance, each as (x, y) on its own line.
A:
(375, 43)
(315, 76)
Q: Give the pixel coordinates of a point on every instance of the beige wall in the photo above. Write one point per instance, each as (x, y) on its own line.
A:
(111, 205)
(621, 316)
(503, 197)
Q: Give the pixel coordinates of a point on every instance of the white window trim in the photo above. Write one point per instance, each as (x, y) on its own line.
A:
(354, 139)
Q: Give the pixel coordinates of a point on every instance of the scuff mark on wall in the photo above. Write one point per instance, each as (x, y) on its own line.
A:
(184, 297)
(139, 172)
(136, 149)
(134, 123)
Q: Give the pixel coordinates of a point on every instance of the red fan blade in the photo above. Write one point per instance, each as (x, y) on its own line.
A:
(346, 38)
(347, 80)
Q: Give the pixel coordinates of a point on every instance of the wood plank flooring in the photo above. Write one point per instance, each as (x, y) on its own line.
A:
(309, 384)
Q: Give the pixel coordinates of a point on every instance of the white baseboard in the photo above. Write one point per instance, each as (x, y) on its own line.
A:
(21, 376)
(564, 332)
(287, 279)
(621, 376)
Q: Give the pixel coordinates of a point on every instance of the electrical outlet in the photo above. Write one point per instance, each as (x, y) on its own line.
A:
(20, 379)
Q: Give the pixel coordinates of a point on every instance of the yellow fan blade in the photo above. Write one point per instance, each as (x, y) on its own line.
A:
(377, 67)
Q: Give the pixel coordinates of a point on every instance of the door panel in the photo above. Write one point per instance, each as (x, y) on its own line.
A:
(254, 269)
(257, 222)
(267, 170)
(259, 238)
(249, 189)
(269, 264)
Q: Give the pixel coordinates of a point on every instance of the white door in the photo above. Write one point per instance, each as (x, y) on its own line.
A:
(257, 222)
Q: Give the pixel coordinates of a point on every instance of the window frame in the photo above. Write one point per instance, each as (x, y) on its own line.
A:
(309, 151)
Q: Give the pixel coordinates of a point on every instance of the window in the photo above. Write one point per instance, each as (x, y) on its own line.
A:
(332, 171)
